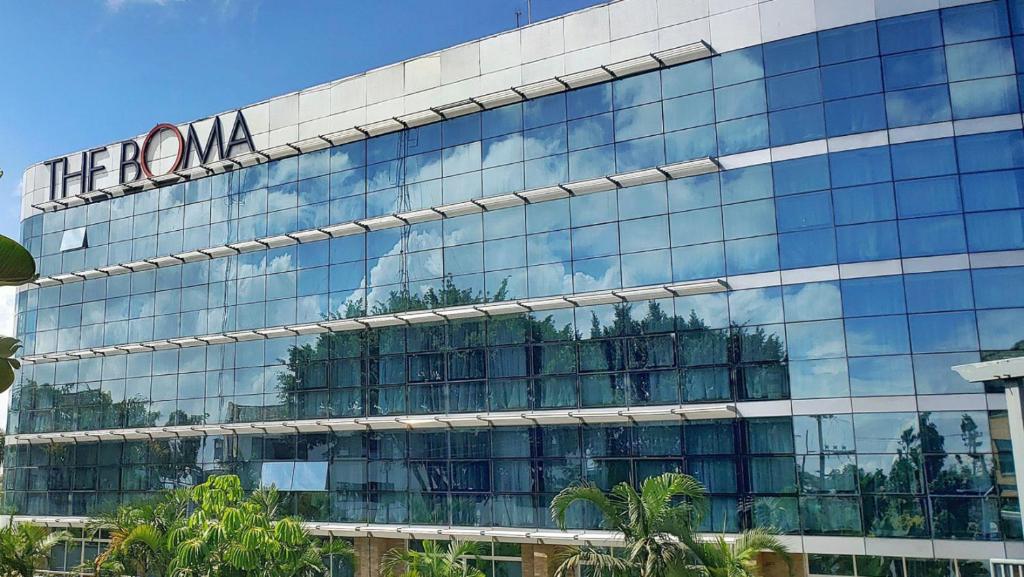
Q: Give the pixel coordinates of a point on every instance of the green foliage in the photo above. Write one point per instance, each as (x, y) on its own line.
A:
(17, 267)
(436, 560)
(25, 547)
(213, 530)
(658, 526)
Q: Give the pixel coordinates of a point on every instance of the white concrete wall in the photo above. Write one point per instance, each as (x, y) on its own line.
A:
(578, 41)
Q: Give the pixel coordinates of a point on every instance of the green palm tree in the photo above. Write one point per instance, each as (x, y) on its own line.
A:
(720, 558)
(436, 560)
(650, 522)
(138, 535)
(25, 547)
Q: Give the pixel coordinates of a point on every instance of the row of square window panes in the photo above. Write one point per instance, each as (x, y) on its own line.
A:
(909, 162)
(743, 65)
(876, 566)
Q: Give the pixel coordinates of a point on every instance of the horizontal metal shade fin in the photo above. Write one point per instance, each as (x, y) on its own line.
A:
(656, 413)
(537, 89)
(411, 317)
(646, 176)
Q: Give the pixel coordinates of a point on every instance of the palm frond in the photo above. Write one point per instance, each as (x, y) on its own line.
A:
(571, 559)
(587, 492)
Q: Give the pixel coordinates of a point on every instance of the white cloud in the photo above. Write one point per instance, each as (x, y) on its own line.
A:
(116, 5)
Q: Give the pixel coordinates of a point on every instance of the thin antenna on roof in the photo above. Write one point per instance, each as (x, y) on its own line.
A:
(529, 11)
(518, 14)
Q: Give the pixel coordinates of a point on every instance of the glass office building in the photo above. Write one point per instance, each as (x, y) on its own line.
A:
(756, 264)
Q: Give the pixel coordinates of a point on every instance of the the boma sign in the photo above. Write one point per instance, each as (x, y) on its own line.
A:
(135, 159)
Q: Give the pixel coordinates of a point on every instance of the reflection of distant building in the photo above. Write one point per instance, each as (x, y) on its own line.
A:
(742, 240)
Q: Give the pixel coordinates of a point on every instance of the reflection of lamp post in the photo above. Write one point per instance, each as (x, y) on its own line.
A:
(1009, 373)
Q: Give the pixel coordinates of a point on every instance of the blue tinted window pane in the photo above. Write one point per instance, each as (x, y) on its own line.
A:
(749, 219)
(815, 340)
(1000, 329)
(804, 211)
(740, 100)
(851, 79)
(933, 235)
(873, 296)
(696, 226)
(751, 255)
(797, 125)
(910, 32)
(589, 101)
(1002, 230)
(985, 97)
(457, 131)
(918, 106)
(877, 336)
(686, 79)
(938, 291)
(636, 90)
(640, 153)
(880, 376)
(848, 43)
(990, 151)
(591, 163)
(864, 204)
(689, 111)
(928, 196)
(861, 114)
(944, 332)
(502, 120)
(925, 158)
(975, 22)
(592, 131)
(979, 59)
(791, 54)
(738, 66)
(990, 287)
(871, 241)
(747, 183)
(543, 110)
(741, 135)
(698, 262)
(638, 122)
(801, 175)
(694, 192)
(794, 89)
(993, 190)
(915, 69)
(862, 166)
(807, 248)
(692, 143)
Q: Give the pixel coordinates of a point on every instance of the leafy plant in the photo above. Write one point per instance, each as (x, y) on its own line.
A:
(436, 560)
(17, 267)
(25, 547)
(658, 524)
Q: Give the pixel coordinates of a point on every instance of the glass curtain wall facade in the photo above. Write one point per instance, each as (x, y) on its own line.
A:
(878, 331)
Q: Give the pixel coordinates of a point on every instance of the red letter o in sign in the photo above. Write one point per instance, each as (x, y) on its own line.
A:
(145, 147)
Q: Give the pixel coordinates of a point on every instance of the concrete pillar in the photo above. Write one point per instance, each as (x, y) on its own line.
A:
(370, 550)
(1015, 418)
(772, 565)
(539, 561)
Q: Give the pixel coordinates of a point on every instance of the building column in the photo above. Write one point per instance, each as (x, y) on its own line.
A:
(370, 550)
(1015, 420)
(539, 561)
(773, 565)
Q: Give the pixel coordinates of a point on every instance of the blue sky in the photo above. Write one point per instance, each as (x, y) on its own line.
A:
(78, 73)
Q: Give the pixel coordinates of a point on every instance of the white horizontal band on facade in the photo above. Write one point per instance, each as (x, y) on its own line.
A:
(578, 188)
(661, 59)
(549, 417)
(916, 548)
(500, 308)
(630, 415)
